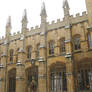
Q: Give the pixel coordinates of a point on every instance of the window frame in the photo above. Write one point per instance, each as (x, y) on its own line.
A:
(38, 50)
(77, 42)
(11, 53)
(89, 40)
(29, 52)
(51, 48)
(62, 45)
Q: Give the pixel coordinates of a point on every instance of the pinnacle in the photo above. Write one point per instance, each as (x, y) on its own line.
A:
(8, 22)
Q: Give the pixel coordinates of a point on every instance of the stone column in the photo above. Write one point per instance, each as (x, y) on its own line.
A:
(3, 74)
(48, 77)
(42, 65)
(89, 10)
(70, 76)
(69, 60)
(42, 77)
(20, 72)
(2, 78)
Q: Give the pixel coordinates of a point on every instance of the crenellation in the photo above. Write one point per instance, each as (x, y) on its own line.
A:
(14, 33)
(53, 22)
(2, 37)
(18, 32)
(37, 27)
(84, 13)
(53, 42)
(48, 23)
(71, 17)
(32, 28)
(58, 21)
(77, 15)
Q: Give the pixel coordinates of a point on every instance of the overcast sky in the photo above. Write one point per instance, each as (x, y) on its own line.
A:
(15, 8)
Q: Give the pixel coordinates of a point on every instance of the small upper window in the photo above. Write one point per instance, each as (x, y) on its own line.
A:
(29, 50)
(90, 40)
(38, 50)
(77, 43)
(51, 48)
(62, 45)
(11, 55)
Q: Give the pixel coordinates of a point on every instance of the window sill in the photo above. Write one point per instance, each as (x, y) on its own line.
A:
(77, 51)
(28, 59)
(63, 54)
(90, 49)
(51, 56)
(10, 63)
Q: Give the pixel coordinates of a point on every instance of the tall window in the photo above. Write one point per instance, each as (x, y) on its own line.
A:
(62, 45)
(12, 84)
(58, 81)
(11, 55)
(38, 50)
(77, 43)
(51, 48)
(84, 79)
(12, 80)
(29, 51)
(90, 40)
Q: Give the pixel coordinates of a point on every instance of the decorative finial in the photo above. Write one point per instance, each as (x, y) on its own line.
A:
(24, 18)
(9, 22)
(65, 4)
(43, 10)
(66, 8)
(24, 21)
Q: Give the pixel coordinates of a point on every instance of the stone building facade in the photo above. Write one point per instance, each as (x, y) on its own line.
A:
(54, 57)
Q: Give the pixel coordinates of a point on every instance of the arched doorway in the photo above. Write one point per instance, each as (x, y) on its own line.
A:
(12, 80)
(58, 81)
(85, 76)
(32, 79)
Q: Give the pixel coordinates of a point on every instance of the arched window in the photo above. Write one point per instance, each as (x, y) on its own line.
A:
(29, 51)
(51, 48)
(90, 40)
(38, 50)
(11, 55)
(12, 80)
(62, 45)
(85, 76)
(58, 82)
(77, 43)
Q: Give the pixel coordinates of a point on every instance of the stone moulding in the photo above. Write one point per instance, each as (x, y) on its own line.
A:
(42, 76)
(69, 73)
(68, 55)
(67, 41)
(19, 63)
(41, 59)
(1, 66)
(20, 78)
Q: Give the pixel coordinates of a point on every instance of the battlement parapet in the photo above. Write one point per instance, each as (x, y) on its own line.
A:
(51, 26)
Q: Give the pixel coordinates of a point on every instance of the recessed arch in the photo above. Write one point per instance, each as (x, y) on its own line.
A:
(12, 80)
